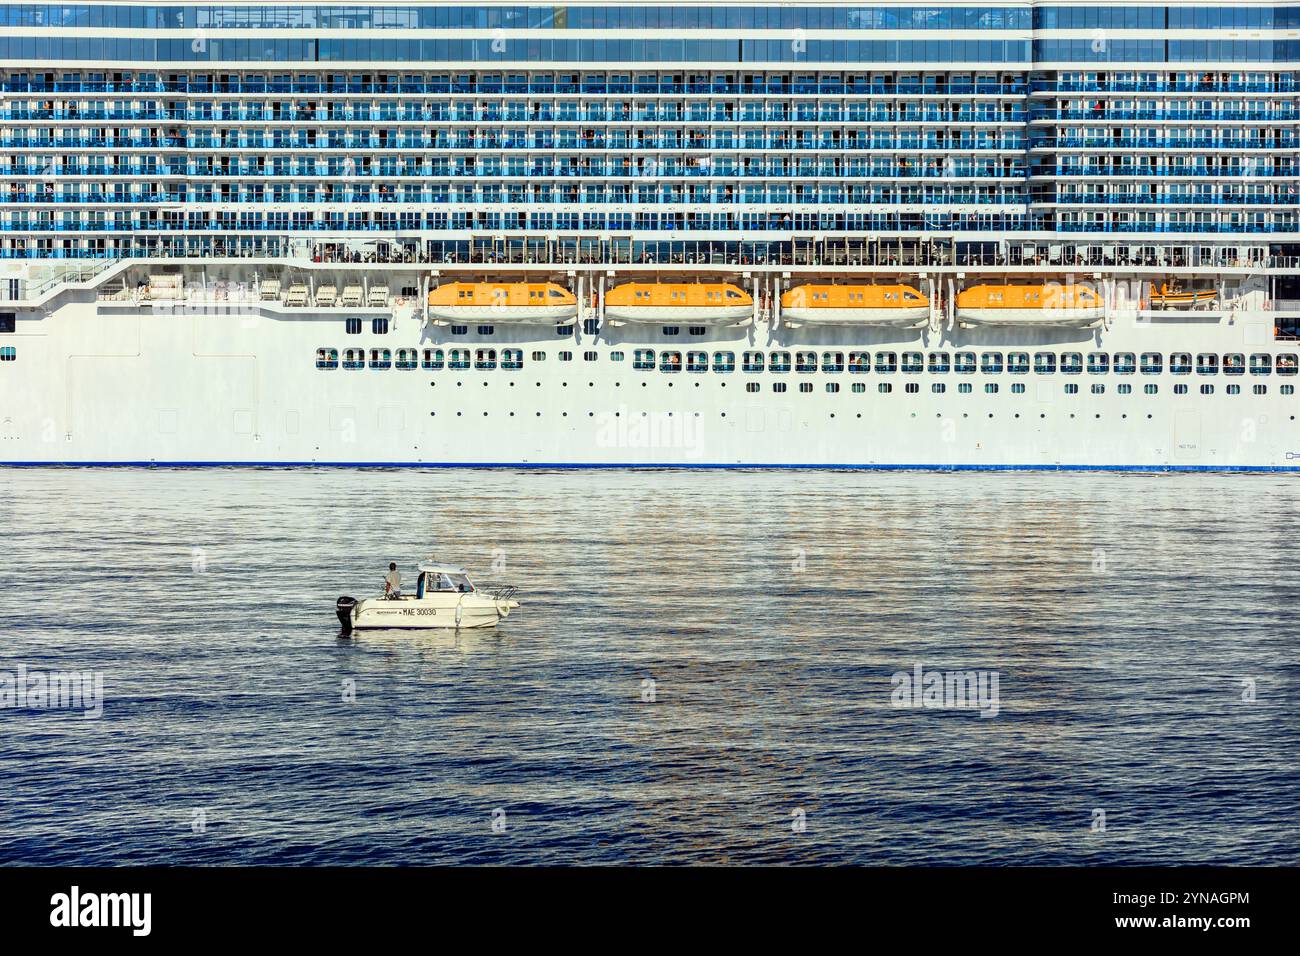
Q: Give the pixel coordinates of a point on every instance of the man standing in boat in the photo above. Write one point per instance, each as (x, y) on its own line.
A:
(392, 582)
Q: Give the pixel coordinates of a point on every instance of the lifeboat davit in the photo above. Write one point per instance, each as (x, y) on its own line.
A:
(900, 306)
(688, 303)
(1046, 305)
(1171, 295)
(501, 302)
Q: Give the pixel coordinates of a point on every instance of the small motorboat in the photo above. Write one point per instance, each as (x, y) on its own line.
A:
(444, 597)
(1173, 295)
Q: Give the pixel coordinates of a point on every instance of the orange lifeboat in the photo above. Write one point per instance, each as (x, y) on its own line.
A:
(689, 303)
(894, 305)
(1044, 305)
(502, 302)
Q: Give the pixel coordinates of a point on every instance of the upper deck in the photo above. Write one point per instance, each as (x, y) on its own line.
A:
(757, 135)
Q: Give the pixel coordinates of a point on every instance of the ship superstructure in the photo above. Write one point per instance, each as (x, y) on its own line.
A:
(939, 235)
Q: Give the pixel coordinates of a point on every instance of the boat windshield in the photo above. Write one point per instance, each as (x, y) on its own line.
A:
(449, 582)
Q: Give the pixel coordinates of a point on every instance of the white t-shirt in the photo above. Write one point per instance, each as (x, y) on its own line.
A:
(394, 580)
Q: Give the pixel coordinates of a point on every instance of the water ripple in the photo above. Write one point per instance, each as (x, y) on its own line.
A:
(1126, 616)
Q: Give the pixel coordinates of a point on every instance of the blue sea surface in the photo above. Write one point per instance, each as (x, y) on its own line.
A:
(702, 671)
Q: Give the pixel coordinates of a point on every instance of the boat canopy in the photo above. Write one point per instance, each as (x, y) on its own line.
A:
(442, 569)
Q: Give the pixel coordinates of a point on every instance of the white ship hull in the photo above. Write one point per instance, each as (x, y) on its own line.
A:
(131, 385)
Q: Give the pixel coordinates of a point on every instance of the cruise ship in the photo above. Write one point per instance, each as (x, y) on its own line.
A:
(956, 235)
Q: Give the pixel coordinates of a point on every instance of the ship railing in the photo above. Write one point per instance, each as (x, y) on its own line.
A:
(68, 276)
(499, 592)
(671, 252)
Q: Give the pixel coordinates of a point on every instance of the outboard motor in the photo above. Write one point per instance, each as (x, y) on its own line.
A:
(344, 607)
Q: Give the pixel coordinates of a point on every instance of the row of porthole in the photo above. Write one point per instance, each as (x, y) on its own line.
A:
(1018, 388)
(461, 384)
(939, 415)
(966, 388)
(883, 363)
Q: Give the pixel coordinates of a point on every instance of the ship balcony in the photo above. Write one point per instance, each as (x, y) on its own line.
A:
(955, 112)
(896, 256)
(1280, 83)
(762, 86)
(1120, 137)
(1179, 228)
(838, 141)
(1225, 171)
(1106, 114)
(1190, 199)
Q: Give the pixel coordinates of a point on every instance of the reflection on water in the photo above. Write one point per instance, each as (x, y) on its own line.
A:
(699, 658)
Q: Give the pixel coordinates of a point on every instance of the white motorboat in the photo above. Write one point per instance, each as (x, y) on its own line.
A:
(444, 597)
